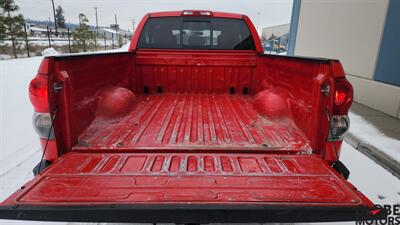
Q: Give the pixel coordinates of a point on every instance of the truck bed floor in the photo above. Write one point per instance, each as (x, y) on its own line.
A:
(193, 121)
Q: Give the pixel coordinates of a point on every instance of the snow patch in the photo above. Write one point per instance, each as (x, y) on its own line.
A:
(50, 52)
(110, 30)
(5, 56)
(124, 48)
(369, 134)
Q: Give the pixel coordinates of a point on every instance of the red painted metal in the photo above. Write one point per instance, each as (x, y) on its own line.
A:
(181, 75)
(95, 179)
(51, 153)
(194, 71)
(179, 13)
(194, 121)
(114, 102)
(192, 126)
(84, 79)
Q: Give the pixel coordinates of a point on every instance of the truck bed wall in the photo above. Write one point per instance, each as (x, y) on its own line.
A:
(299, 82)
(83, 77)
(187, 72)
(205, 73)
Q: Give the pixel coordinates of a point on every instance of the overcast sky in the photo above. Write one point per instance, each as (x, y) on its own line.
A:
(272, 12)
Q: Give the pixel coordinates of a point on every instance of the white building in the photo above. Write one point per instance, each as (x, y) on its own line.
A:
(277, 30)
(363, 35)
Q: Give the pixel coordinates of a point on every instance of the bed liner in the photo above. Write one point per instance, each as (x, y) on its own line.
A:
(194, 121)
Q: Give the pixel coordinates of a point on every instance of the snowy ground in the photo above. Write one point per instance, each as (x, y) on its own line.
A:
(368, 134)
(19, 147)
(62, 41)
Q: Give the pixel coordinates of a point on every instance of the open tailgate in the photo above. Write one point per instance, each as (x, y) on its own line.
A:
(188, 188)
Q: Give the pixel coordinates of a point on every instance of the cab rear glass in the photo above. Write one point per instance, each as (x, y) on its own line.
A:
(196, 33)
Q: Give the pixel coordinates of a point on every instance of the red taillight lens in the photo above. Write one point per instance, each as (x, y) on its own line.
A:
(38, 93)
(340, 97)
(343, 97)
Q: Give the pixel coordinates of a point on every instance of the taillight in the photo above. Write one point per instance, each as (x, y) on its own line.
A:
(339, 121)
(343, 97)
(38, 93)
(338, 127)
(42, 118)
(42, 123)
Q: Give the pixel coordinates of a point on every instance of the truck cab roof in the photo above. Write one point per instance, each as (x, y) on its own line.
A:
(196, 13)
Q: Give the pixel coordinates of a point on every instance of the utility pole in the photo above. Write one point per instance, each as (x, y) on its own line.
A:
(116, 22)
(97, 23)
(55, 20)
(97, 29)
(116, 27)
(133, 25)
(258, 19)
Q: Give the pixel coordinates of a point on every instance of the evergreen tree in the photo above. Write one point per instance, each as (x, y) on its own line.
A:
(83, 37)
(13, 24)
(60, 17)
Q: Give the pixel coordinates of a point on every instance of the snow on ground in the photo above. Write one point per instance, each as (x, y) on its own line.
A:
(20, 151)
(62, 42)
(50, 52)
(42, 42)
(371, 135)
(124, 48)
(18, 141)
(275, 53)
(110, 30)
(379, 185)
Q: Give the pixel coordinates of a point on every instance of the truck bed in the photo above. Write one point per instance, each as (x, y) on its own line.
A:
(193, 121)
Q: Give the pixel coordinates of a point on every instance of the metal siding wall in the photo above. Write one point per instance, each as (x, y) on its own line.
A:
(389, 55)
(293, 26)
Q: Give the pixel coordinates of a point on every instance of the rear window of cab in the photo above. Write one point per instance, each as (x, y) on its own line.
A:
(196, 33)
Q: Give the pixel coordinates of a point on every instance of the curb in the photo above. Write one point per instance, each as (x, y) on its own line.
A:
(375, 154)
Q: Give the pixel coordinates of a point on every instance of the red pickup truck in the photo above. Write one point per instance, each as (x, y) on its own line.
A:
(194, 124)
